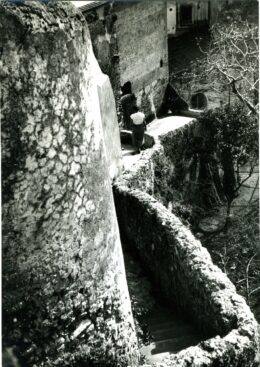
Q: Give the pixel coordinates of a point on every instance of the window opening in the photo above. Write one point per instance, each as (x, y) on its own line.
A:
(126, 88)
(185, 15)
(199, 101)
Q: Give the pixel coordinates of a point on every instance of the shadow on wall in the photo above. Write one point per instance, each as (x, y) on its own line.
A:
(126, 138)
(172, 102)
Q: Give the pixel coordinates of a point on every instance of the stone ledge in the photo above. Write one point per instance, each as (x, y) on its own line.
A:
(196, 286)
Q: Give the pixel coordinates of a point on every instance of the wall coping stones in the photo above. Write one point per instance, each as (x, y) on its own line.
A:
(197, 285)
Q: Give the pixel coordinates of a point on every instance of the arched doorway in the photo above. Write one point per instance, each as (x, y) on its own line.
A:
(199, 101)
(126, 88)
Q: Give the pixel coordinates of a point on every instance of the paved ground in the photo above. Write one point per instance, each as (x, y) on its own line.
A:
(156, 128)
(163, 126)
(128, 158)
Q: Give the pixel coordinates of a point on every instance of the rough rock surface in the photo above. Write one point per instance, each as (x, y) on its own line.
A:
(65, 297)
(184, 272)
(110, 125)
(130, 43)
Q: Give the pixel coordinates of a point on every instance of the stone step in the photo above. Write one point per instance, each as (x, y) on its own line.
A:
(162, 348)
(157, 358)
(177, 343)
(166, 324)
(171, 332)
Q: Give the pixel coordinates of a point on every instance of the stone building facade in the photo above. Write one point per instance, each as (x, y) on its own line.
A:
(184, 14)
(189, 21)
(130, 43)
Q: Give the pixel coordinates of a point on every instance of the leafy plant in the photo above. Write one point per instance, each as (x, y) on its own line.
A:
(233, 136)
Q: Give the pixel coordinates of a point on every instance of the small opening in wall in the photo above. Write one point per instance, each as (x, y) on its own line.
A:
(185, 15)
(126, 88)
(199, 101)
(170, 9)
(161, 63)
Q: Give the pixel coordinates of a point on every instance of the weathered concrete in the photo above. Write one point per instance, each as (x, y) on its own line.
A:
(184, 272)
(65, 297)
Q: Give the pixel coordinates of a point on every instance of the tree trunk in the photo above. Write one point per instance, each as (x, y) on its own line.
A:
(227, 222)
(229, 178)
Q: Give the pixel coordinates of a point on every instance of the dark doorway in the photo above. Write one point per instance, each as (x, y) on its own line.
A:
(199, 101)
(185, 15)
(126, 88)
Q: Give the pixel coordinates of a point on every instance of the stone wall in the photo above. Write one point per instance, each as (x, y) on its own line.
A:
(216, 7)
(141, 174)
(184, 272)
(216, 94)
(143, 53)
(130, 43)
(65, 297)
(183, 53)
(102, 27)
(109, 125)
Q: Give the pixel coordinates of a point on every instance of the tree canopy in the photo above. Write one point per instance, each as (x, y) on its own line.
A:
(233, 53)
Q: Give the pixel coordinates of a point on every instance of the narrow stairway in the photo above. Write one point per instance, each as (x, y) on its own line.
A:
(170, 334)
(164, 331)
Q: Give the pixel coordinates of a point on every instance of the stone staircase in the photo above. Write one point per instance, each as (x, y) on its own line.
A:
(169, 334)
(166, 331)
